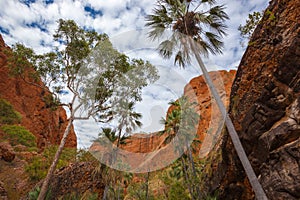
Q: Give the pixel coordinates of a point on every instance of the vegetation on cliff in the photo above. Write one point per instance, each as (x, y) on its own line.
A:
(264, 107)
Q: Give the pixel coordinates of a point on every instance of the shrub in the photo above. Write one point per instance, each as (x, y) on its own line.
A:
(33, 195)
(51, 102)
(18, 135)
(7, 113)
(84, 155)
(38, 167)
(177, 191)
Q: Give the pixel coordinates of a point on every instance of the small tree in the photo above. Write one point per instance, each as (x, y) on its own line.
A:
(87, 67)
(248, 28)
(251, 23)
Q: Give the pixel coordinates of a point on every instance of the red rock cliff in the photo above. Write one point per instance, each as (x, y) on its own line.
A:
(197, 91)
(265, 109)
(46, 124)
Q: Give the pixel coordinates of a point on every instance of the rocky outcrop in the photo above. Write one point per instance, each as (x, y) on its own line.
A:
(265, 109)
(76, 179)
(30, 101)
(3, 193)
(211, 121)
(6, 152)
(197, 91)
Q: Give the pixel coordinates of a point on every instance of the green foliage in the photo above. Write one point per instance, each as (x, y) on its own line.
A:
(76, 196)
(7, 113)
(21, 62)
(111, 135)
(138, 191)
(38, 166)
(84, 155)
(18, 135)
(177, 192)
(51, 101)
(253, 20)
(271, 16)
(33, 195)
(88, 67)
(199, 22)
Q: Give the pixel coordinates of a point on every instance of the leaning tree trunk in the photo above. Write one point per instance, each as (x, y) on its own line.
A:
(186, 178)
(193, 171)
(258, 190)
(45, 185)
(147, 185)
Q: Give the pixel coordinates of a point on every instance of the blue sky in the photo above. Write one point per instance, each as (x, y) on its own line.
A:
(33, 22)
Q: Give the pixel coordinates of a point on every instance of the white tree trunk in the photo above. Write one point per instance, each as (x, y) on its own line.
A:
(259, 192)
(45, 185)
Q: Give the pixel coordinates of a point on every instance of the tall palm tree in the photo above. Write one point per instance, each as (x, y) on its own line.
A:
(197, 31)
(128, 121)
(181, 122)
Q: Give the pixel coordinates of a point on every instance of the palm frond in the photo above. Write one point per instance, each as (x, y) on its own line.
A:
(165, 48)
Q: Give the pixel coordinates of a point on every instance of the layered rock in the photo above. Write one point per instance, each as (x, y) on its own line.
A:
(265, 110)
(30, 101)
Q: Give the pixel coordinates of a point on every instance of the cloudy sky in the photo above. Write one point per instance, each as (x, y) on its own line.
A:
(33, 22)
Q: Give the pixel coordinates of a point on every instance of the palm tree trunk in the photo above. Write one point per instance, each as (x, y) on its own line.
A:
(147, 185)
(194, 171)
(118, 192)
(259, 192)
(44, 188)
(105, 192)
(186, 178)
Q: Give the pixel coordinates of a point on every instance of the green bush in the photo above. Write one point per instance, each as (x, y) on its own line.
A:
(18, 135)
(37, 168)
(33, 195)
(75, 196)
(7, 113)
(177, 191)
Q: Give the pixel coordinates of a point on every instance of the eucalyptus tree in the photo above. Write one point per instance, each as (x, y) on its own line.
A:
(86, 67)
(197, 31)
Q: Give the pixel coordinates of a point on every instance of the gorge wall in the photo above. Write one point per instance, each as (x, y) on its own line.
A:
(210, 125)
(29, 100)
(265, 110)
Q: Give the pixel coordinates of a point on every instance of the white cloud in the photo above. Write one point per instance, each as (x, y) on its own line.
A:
(120, 19)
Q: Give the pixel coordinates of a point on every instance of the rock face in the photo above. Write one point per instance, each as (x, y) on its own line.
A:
(143, 151)
(265, 109)
(211, 121)
(46, 124)
(197, 91)
(6, 152)
(76, 179)
(3, 193)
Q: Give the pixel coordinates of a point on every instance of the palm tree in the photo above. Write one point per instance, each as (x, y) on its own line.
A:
(111, 135)
(128, 120)
(181, 122)
(198, 32)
